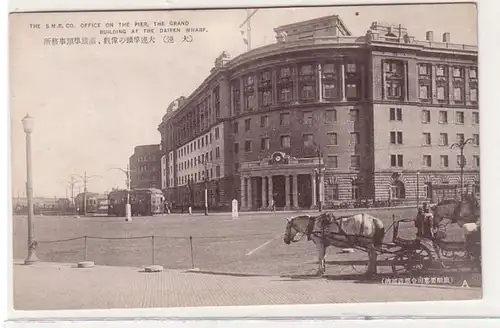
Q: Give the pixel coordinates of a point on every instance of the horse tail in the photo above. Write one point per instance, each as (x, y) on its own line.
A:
(378, 236)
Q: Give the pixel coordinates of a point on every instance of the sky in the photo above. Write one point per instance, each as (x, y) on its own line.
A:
(92, 104)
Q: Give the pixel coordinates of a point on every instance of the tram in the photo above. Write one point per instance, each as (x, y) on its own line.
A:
(96, 203)
(143, 201)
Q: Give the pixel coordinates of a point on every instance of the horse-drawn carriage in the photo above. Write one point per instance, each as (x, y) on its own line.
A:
(414, 254)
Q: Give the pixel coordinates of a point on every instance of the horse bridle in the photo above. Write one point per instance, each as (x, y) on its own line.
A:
(292, 225)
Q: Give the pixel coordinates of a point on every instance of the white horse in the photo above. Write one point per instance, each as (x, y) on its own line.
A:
(325, 230)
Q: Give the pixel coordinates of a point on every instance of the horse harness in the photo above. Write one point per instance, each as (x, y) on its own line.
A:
(326, 220)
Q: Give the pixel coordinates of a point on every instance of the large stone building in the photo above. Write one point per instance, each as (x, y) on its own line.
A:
(145, 167)
(324, 116)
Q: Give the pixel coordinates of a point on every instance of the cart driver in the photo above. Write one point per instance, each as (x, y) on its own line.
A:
(424, 224)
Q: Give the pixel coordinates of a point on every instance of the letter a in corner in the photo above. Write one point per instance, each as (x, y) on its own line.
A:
(465, 284)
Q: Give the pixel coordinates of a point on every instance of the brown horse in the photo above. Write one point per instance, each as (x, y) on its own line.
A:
(460, 212)
(326, 230)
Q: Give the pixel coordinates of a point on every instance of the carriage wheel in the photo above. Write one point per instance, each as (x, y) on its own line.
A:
(411, 261)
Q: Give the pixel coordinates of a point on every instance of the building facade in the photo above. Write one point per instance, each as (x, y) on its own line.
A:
(324, 117)
(145, 167)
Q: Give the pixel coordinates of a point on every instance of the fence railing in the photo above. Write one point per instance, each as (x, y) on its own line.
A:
(135, 254)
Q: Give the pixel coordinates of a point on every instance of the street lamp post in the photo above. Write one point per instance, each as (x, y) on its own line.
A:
(128, 207)
(418, 188)
(462, 162)
(28, 129)
(319, 172)
(206, 187)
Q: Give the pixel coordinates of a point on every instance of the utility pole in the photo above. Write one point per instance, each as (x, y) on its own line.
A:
(71, 182)
(85, 178)
(128, 207)
(462, 162)
(249, 27)
(320, 203)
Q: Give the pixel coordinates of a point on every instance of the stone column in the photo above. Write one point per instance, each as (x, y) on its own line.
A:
(249, 193)
(242, 192)
(384, 90)
(405, 81)
(466, 87)
(295, 191)
(295, 79)
(313, 190)
(433, 85)
(342, 81)
(322, 188)
(287, 191)
(450, 86)
(320, 84)
(263, 192)
(231, 105)
(270, 189)
(256, 104)
(274, 86)
(242, 95)
(363, 82)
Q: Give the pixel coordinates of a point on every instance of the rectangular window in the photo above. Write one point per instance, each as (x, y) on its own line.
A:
(247, 124)
(285, 94)
(307, 118)
(355, 161)
(444, 160)
(395, 114)
(307, 92)
(423, 69)
(332, 138)
(329, 68)
(284, 119)
(329, 90)
(335, 191)
(475, 160)
(217, 171)
(331, 115)
(443, 117)
(472, 73)
(440, 71)
(426, 138)
(426, 116)
(473, 95)
(397, 160)
(306, 70)
(424, 92)
(459, 118)
(264, 121)
(475, 138)
(475, 117)
(308, 140)
(457, 72)
(457, 94)
(248, 146)
(396, 137)
(235, 127)
(333, 162)
(264, 143)
(351, 68)
(354, 138)
(285, 72)
(441, 93)
(351, 91)
(427, 162)
(236, 147)
(443, 139)
(285, 141)
(354, 115)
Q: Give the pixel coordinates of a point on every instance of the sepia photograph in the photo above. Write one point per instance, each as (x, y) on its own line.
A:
(241, 157)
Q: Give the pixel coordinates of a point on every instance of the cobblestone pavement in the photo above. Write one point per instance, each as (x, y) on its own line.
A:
(58, 286)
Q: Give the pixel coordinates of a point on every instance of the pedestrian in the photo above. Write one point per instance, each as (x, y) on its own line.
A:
(273, 206)
(425, 229)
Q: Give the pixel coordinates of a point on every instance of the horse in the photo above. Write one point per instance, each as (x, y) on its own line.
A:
(327, 230)
(460, 212)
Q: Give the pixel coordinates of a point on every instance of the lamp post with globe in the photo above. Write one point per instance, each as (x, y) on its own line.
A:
(28, 125)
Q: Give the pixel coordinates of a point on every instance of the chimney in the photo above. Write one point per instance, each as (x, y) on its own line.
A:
(446, 37)
(429, 36)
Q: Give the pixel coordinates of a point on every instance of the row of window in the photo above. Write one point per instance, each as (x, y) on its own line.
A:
(330, 115)
(146, 158)
(396, 138)
(396, 114)
(198, 144)
(398, 161)
(199, 176)
(198, 160)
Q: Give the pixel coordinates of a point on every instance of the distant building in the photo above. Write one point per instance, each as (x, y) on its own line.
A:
(145, 167)
(324, 116)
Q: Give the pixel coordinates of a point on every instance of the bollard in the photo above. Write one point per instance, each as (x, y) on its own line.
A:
(191, 246)
(85, 249)
(153, 250)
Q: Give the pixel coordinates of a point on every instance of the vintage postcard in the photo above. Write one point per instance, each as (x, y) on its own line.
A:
(235, 157)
